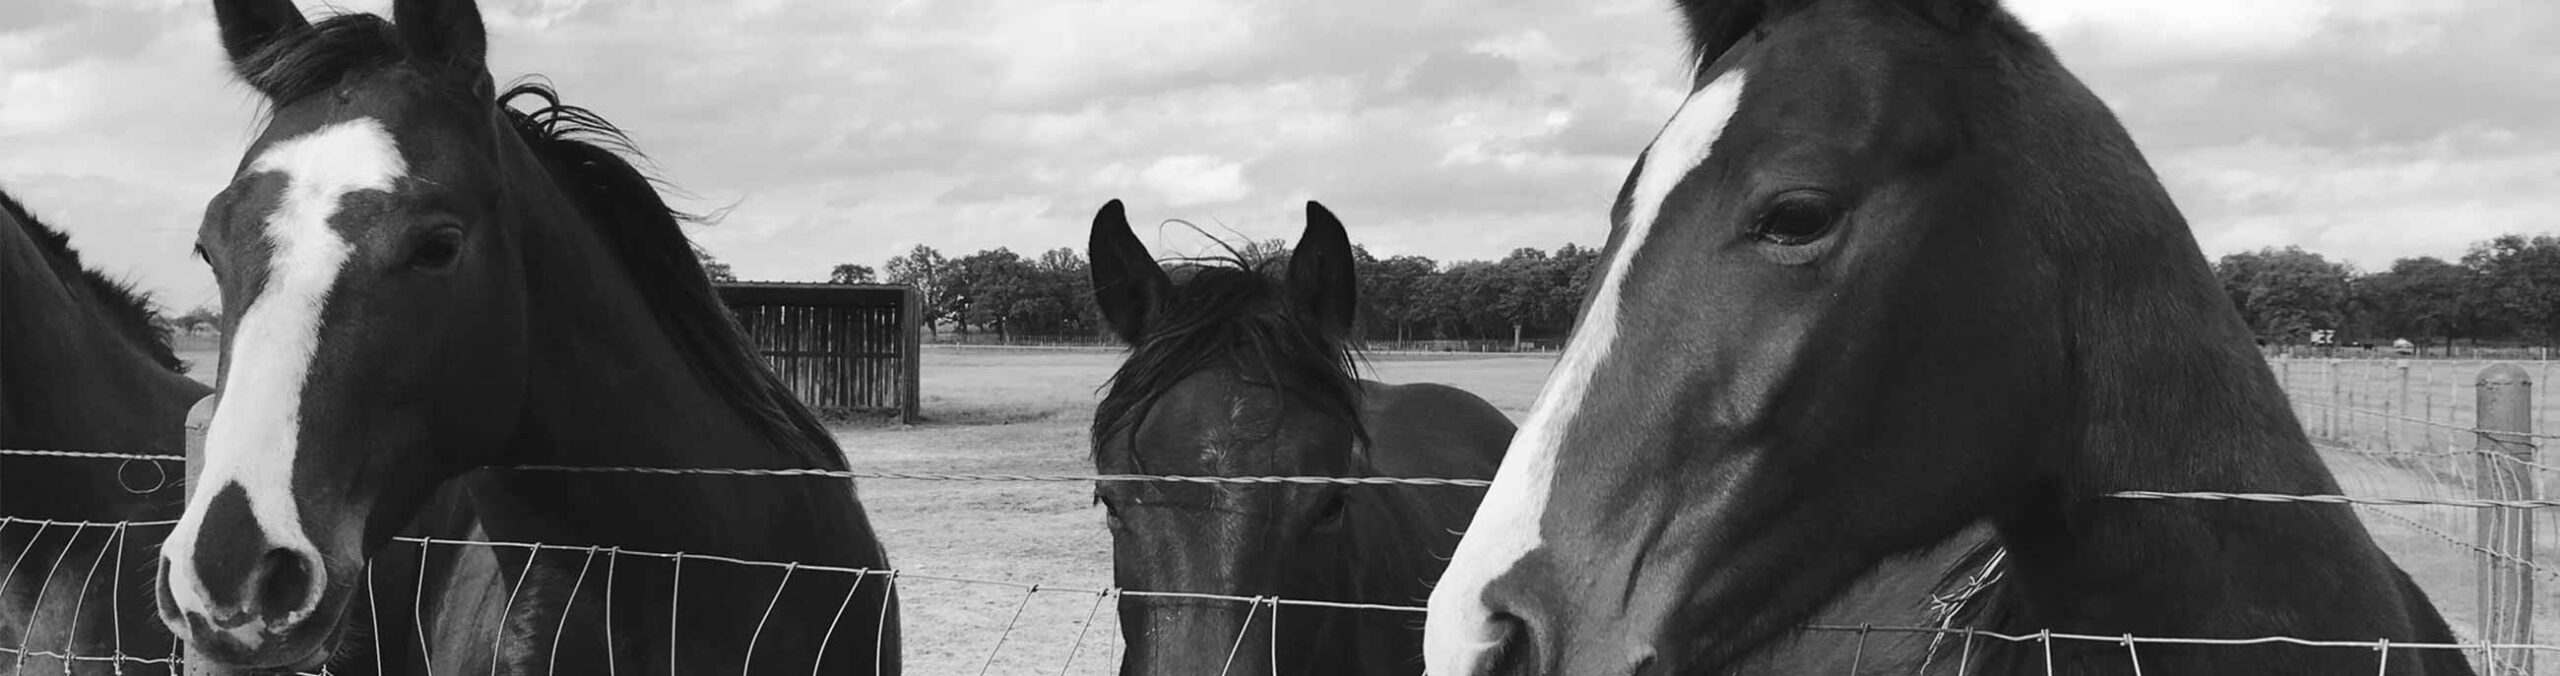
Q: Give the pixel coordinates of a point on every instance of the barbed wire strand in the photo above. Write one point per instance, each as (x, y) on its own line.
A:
(373, 610)
(748, 667)
(838, 619)
(1238, 647)
(2336, 499)
(562, 630)
(2450, 454)
(45, 584)
(418, 605)
(498, 644)
(2353, 410)
(2552, 574)
(1008, 629)
(1069, 664)
(71, 639)
(1426, 481)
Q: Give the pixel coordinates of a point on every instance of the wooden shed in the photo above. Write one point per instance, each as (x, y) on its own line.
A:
(844, 349)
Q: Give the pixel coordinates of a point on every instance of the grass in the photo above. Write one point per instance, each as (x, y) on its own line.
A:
(1025, 411)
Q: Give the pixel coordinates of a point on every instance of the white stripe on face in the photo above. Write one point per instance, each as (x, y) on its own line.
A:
(1459, 636)
(253, 436)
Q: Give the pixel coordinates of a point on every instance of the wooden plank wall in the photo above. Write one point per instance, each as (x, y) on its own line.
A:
(839, 359)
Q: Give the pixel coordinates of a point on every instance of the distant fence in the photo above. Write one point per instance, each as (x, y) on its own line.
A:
(2449, 431)
(844, 349)
(2385, 351)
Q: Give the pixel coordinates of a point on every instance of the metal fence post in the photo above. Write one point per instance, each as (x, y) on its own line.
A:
(2506, 534)
(2334, 399)
(2398, 406)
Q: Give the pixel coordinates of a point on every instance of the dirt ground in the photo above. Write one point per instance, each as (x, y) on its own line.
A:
(1025, 411)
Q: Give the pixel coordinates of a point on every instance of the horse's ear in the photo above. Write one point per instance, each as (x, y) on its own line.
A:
(1953, 15)
(1322, 279)
(445, 36)
(1127, 283)
(248, 25)
(1715, 26)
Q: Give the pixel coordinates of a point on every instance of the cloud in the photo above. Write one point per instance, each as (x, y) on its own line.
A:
(850, 131)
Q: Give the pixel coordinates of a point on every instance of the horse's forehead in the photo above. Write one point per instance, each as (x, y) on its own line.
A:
(355, 153)
(1683, 144)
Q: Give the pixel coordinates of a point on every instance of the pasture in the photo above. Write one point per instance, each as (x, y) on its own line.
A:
(1025, 411)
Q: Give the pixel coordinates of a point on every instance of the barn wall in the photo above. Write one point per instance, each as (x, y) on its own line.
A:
(844, 349)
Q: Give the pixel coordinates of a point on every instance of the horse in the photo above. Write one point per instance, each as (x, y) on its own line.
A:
(1891, 271)
(82, 368)
(424, 280)
(1234, 371)
(96, 375)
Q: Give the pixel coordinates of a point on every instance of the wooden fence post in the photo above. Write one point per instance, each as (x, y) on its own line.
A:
(911, 376)
(2502, 472)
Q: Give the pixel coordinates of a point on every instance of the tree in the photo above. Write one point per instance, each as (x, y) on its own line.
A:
(712, 267)
(995, 288)
(850, 273)
(2424, 298)
(925, 269)
(199, 319)
(2518, 282)
(1390, 291)
(2286, 293)
(1063, 282)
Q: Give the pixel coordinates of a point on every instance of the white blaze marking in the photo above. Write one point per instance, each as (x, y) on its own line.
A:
(1459, 637)
(254, 433)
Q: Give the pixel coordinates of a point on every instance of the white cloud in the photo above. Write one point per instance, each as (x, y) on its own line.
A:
(847, 132)
(1186, 180)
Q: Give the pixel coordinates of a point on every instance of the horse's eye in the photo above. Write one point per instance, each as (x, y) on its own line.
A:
(437, 249)
(1797, 219)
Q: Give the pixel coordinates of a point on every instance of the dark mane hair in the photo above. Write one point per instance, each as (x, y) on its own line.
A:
(1235, 313)
(303, 62)
(586, 157)
(130, 310)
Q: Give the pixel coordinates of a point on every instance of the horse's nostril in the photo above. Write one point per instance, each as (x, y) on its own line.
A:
(284, 583)
(1518, 653)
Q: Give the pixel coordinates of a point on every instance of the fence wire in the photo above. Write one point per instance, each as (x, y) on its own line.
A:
(1264, 612)
(2404, 442)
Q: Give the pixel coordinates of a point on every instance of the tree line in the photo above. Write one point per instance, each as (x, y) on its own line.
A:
(2503, 291)
(1529, 295)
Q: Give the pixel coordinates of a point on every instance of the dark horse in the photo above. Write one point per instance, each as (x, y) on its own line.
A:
(1236, 372)
(82, 367)
(1892, 270)
(423, 280)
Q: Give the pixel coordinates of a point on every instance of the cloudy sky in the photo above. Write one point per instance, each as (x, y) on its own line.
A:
(848, 130)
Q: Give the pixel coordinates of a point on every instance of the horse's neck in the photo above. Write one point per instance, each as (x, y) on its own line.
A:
(70, 380)
(2174, 398)
(610, 388)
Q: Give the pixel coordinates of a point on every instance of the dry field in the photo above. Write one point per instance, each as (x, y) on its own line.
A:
(1025, 411)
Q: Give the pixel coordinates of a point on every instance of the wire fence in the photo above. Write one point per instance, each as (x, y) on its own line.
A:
(2464, 440)
(2417, 473)
(598, 561)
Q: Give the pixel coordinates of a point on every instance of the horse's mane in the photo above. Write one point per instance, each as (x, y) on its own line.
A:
(1233, 313)
(130, 310)
(586, 157)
